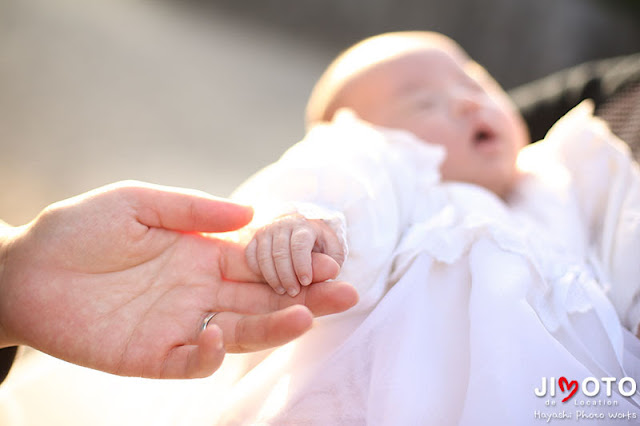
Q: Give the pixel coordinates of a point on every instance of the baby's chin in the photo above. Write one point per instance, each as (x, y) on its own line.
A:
(501, 185)
(505, 187)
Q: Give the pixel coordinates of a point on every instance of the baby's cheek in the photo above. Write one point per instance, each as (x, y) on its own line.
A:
(517, 127)
(454, 168)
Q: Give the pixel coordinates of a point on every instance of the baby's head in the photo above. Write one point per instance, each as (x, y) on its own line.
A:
(425, 83)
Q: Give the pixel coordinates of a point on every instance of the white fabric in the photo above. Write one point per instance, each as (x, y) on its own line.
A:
(486, 298)
(466, 303)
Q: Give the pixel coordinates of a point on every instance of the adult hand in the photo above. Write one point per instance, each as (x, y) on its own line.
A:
(121, 278)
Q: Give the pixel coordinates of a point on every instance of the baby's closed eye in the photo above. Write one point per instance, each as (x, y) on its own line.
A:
(426, 101)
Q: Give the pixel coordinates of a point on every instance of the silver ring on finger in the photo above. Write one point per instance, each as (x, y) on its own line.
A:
(207, 319)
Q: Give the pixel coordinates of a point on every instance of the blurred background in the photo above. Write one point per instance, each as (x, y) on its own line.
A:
(202, 93)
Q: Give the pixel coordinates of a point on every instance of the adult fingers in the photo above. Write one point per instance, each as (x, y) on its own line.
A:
(237, 262)
(249, 333)
(184, 210)
(198, 360)
(324, 267)
(329, 297)
(236, 266)
(252, 298)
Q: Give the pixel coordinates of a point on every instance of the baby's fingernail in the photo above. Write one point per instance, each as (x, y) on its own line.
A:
(305, 280)
(293, 292)
(280, 290)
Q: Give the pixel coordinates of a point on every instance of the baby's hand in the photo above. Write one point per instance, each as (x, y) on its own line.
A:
(281, 251)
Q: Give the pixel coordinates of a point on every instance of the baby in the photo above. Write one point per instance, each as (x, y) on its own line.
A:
(474, 252)
(417, 81)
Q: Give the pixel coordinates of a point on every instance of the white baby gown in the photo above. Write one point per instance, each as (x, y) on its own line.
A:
(470, 308)
(466, 303)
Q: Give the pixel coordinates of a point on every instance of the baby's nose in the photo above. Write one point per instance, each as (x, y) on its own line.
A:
(465, 102)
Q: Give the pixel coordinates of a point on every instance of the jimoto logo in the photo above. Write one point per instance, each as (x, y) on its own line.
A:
(590, 387)
(591, 399)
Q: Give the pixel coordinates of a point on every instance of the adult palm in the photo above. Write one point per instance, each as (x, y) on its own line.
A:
(120, 279)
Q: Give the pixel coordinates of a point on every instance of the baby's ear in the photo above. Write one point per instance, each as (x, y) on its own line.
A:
(324, 267)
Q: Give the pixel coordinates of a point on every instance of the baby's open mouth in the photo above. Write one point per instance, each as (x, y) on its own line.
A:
(483, 137)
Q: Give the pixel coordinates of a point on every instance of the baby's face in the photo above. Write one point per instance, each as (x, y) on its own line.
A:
(448, 100)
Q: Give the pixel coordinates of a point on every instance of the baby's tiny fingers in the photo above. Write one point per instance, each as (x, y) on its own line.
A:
(333, 247)
(283, 261)
(302, 242)
(265, 261)
(251, 255)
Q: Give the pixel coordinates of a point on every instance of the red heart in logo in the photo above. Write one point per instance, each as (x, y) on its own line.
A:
(569, 384)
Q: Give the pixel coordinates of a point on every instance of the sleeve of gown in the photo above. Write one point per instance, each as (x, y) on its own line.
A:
(361, 179)
(607, 183)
